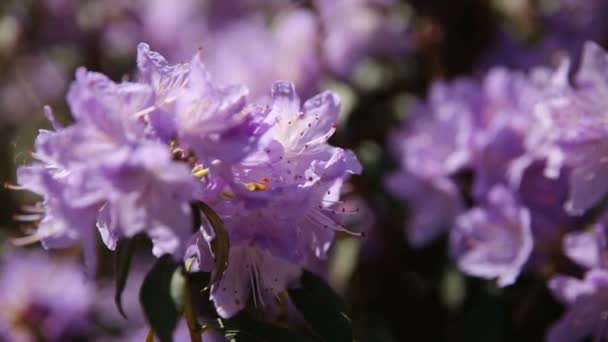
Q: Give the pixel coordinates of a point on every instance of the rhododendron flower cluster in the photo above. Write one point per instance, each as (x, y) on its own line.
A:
(35, 309)
(210, 178)
(140, 153)
(513, 168)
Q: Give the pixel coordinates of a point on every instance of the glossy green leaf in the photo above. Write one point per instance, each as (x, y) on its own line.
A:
(122, 263)
(323, 309)
(196, 217)
(220, 245)
(157, 299)
(178, 288)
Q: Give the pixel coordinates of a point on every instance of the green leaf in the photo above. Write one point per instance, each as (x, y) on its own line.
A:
(122, 264)
(220, 246)
(194, 327)
(156, 298)
(196, 217)
(177, 288)
(323, 309)
(242, 328)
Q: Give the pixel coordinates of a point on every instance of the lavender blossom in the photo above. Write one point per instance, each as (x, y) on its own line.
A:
(44, 298)
(117, 168)
(237, 45)
(587, 303)
(495, 240)
(588, 248)
(573, 130)
(210, 120)
(369, 28)
(248, 52)
(586, 299)
(143, 151)
(437, 141)
(483, 128)
(285, 206)
(435, 144)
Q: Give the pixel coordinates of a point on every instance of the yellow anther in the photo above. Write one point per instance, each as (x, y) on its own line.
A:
(199, 171)
(225, 195)
(257, 186)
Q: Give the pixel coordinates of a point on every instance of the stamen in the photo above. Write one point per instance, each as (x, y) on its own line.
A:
(27, 217)
(199, 171)
(257, 186)
(26, 240)
(10, 186)
(34, 209)
(152, 108)
(48, 112)
(259, 285)
(342, 229)
(252, 282)
(318, 218)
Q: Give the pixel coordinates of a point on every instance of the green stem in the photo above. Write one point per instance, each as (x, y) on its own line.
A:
(193, 326)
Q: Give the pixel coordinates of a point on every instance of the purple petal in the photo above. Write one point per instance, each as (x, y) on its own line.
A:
(495, 240)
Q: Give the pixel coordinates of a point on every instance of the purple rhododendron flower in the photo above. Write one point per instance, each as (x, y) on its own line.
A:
(43, 298)
(438, 140)
(587, 303)
(483, 142)
(286, 207)
(464, 127)
(247, 51)
(588, 248)
(369, 28)
(139, 153)
(574, 129)
(114, 167)
(494, 240)
(210, 120)
(586, 299)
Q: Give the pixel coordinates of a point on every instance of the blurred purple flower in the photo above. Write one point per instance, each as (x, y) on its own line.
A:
(434, 144)
(44, 298)
(574, 129)
(494, 240)
(248, 52)
(368, 28)
(589, 248)
(587, 303)
(437, 140)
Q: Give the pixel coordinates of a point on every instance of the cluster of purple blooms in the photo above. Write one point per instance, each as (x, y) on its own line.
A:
(256, 42)
(34, 287)
(141, 152)
(250, 42)
(34, 310)
(513, 167)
